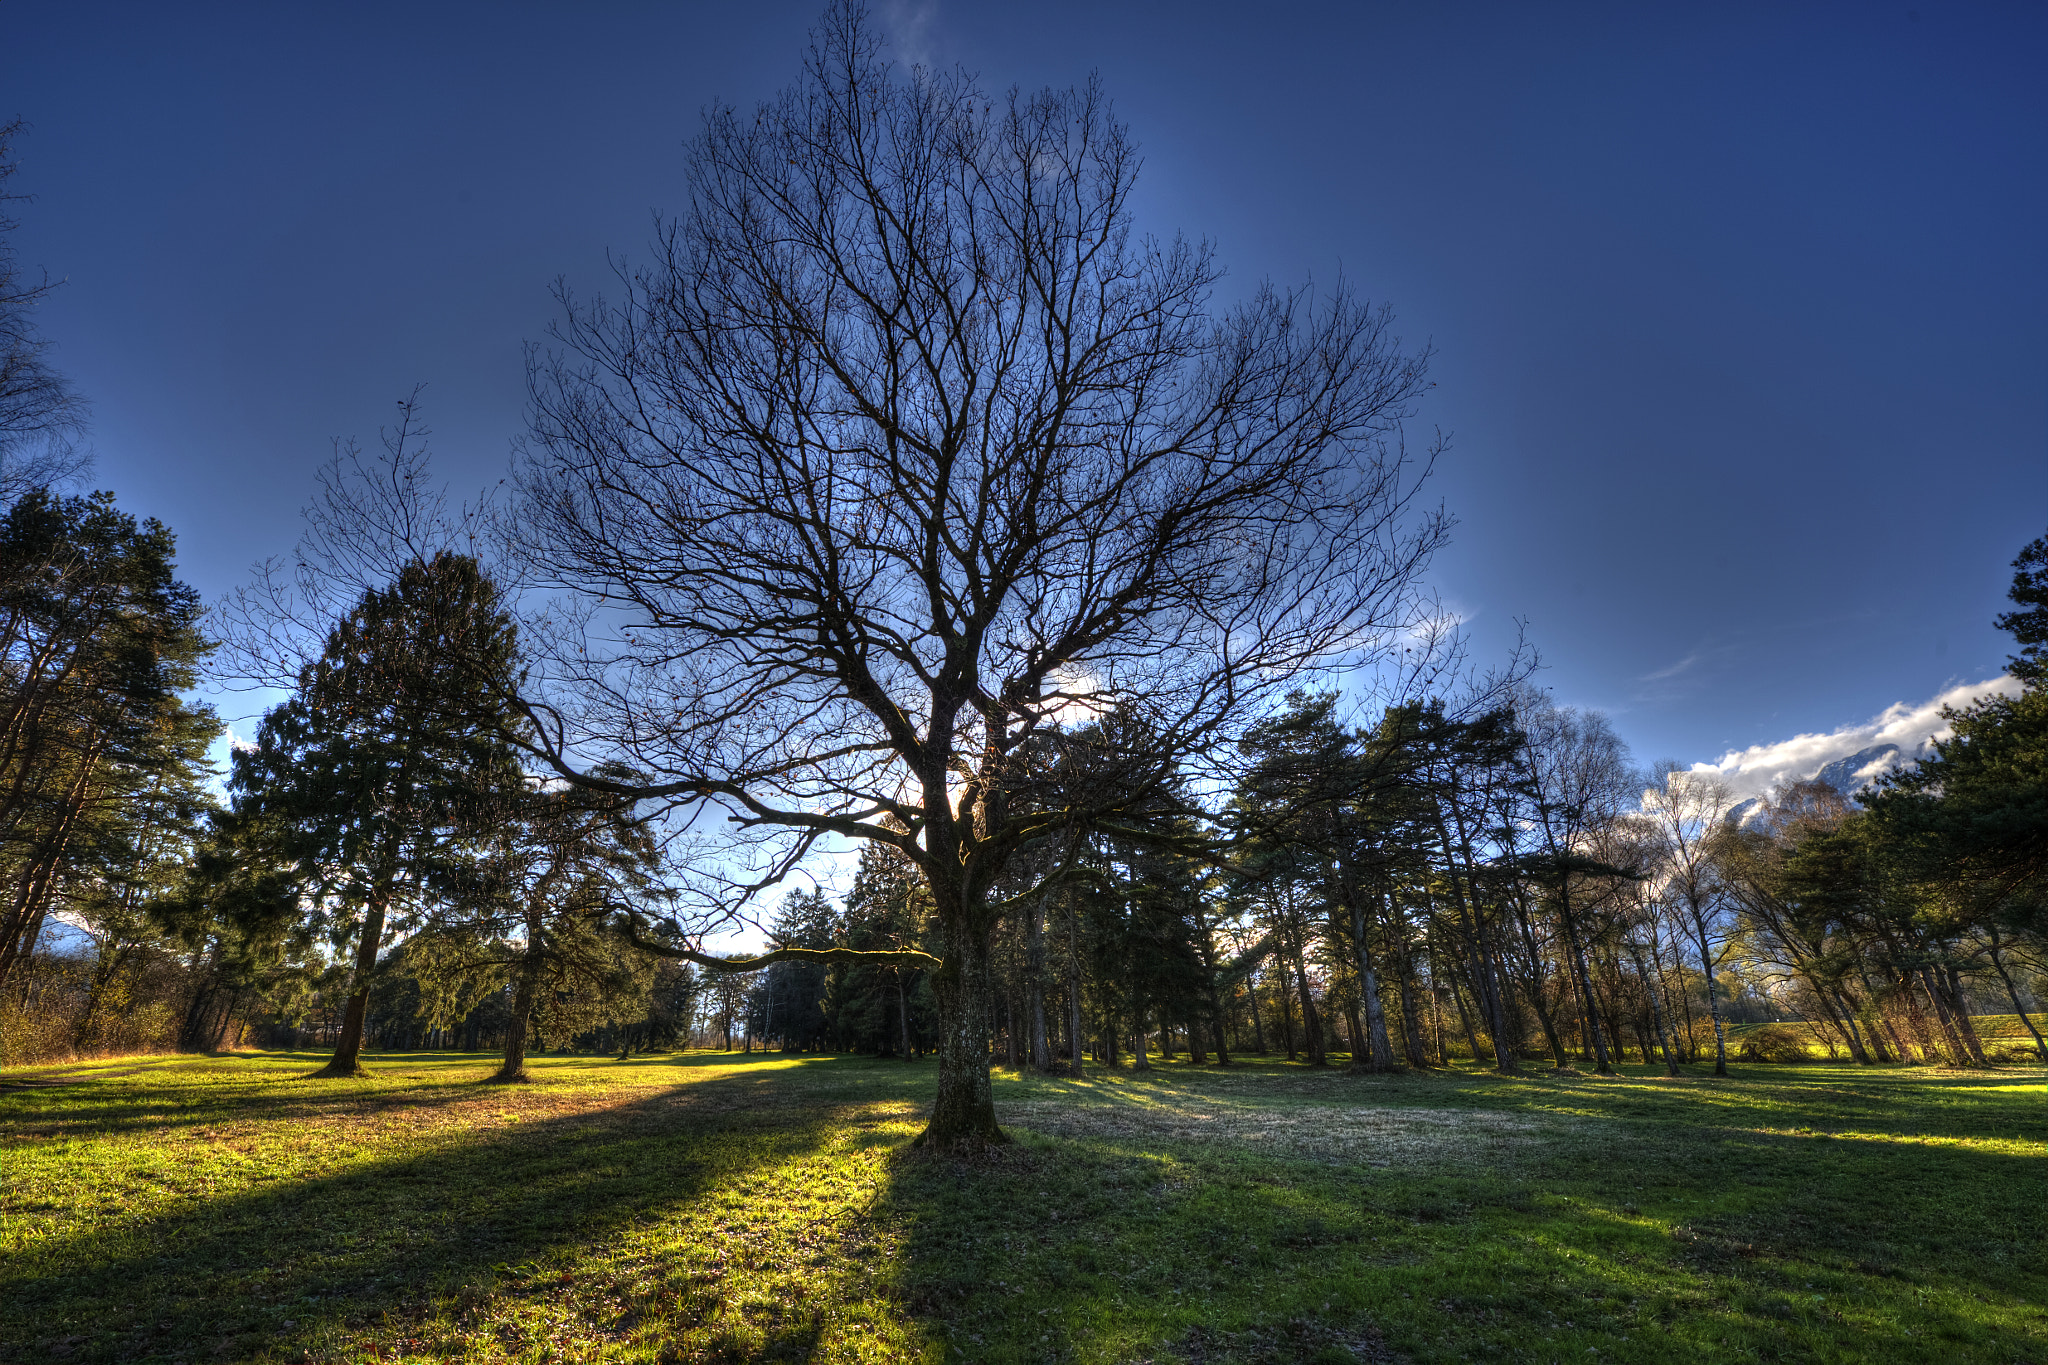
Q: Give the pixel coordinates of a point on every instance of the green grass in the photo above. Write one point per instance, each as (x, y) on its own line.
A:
(720, 1208)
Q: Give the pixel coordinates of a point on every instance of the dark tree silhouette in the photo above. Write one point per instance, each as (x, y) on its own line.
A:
(41, 415)
(365, 783)
(908, 451)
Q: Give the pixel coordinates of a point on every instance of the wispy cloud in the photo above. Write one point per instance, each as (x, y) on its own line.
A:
(907, 24)
(1698, 670)
(1912, 726)
(1674, 670)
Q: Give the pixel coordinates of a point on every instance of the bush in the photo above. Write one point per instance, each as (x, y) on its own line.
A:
(1773, 1043)
(49, 1014)
(31, 1036)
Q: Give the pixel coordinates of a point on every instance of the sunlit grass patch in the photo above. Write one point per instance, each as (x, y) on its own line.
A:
(712, 1207)
(780, 1258)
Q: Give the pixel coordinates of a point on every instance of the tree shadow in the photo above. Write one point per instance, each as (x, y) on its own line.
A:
(1142, 1247)
(1116, 1246)
(79, 1108)
(281, 1267)
(394, 1081)
(1058, 1250)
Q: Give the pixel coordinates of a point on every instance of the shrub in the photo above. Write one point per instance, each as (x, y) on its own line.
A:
(1773, 1043)
(31, 1036)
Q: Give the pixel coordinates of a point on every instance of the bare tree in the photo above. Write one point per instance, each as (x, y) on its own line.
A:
(371, 517)
(1634, 842)
(1686, 808)
(41, 417)
(907, 453)
(1578, 781)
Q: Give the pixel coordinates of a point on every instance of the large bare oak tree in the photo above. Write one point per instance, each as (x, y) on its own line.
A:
(907, 454)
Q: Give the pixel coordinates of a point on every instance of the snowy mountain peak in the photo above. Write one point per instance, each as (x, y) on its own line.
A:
(1852, 774)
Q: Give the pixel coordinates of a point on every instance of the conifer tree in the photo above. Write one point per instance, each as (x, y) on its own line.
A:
(98, 642)
(366, 784)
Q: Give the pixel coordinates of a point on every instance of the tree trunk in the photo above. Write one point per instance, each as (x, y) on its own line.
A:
(1077, 1065)
(1281, 990)
(1601, 1063)
(347, 1059)
(189, 1036)
(1872, 1012)
(1379, 1053)
(1217, 1020)
(24, 924)
(1656, 1011)
(1959, 1040)
(1436, 1011)
(514, 1068)
(1615, 1014)
(1485, 990)
(1713, 999)
(1034, 973)
(1379, 1050)
(1843, 1026)
(1904, 997)
(2012, 994)
(1689, 1048)
(1411, 1010)
(1465, 1019)
(530, 963)
(1536, 995)
(1961, 1004)
(1311, 1018)
(1854, 1025)
(903, 1015)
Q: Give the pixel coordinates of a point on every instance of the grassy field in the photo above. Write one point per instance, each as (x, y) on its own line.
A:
(712, 1207)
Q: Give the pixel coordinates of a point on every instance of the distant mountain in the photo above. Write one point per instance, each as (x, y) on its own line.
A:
(1849, 757)
(1850, 775)
(1846, 775)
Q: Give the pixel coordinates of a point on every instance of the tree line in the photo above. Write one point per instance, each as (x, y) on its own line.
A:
(1484, 877)
(1506, 887)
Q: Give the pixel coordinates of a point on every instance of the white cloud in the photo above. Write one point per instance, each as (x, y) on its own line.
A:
(1757, 769)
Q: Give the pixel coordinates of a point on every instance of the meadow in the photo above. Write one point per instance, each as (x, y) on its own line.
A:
(724, 1207)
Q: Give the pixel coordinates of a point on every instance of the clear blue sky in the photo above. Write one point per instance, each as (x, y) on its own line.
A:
(1741, 310)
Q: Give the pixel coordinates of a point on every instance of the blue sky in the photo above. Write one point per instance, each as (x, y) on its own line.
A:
(1739, 309)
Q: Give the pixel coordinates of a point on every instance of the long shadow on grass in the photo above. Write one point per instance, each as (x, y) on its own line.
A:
(1142, 1249)
(1095, 1249)
(223, 1276)
(1904, 1102)
(217, 1094)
